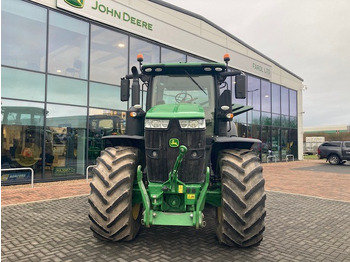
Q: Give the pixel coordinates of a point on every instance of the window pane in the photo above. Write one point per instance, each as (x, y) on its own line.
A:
(266, 145)
(266, 119)
(265, 96)
(293, 143)
(276, 99)
(284, 143)
(284, 101)
(276, 120)
(275, 145)
(22, 135)
(293, 102)
(293, 122)
(254, 117)
(192, 59)
(23, 35)
(149, 51)
(66, 90)
(109, 55)
(102, 123)
(68, 46)
(284, 121)
(22, 84)
(170, 56)
(67, 124)
(254, 92)
(106, 96)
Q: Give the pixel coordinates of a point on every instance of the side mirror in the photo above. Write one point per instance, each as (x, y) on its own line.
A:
(240, 87)
(124, 89)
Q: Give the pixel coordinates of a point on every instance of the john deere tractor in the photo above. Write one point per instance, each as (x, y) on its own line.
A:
(178, 155)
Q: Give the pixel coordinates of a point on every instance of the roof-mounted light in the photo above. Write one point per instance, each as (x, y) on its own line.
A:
(140, 57)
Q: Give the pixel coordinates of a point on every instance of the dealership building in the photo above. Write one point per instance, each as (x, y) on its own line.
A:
(61, 65)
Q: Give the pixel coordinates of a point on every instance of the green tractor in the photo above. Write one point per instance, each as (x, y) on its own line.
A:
(178, 156)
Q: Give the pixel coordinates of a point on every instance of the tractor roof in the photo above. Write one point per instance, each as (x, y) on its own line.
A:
(182, 68)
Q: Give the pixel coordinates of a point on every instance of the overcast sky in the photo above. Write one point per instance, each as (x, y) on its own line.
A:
(311, 38)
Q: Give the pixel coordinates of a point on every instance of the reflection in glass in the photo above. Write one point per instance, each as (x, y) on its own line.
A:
(265, 96)
(149, 51)
(275, 144)
(23, 35)
(66, 90)
(67, 126)
(108, 55)
(266, 145)
(276, 120)
(192, 59)
(284, 101)
(253, 93)
(266, 119)
(276, 99)
(170, 56)
(103, 123)
(22, 136)
(293, 102)
(254, 117)
(293, 122)
(22, 84)
(284, 143)
(241, 124)
(106, 96)
(284, 121)
(68, 46)
(293, 143)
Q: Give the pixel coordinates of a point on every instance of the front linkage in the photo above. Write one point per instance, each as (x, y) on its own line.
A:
(173, 202)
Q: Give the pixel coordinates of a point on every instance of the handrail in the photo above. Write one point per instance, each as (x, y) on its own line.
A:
(22, 168)
(289, 156)
(87, 172)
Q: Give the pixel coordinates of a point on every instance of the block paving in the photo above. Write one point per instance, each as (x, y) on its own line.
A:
(298, 227)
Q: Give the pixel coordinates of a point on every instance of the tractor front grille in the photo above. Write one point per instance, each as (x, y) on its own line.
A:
(160, 157)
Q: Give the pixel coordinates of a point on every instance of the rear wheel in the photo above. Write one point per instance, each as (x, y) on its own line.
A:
(112, 216)
(334, 160)
(241, 215)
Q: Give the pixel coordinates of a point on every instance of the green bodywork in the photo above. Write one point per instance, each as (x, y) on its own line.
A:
(179, 111)
(174, 202)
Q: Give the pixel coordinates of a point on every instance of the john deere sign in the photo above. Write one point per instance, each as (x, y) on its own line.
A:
(108, 12)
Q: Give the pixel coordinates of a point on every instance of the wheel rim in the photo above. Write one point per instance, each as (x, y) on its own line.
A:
(333, 160)
(136, 211)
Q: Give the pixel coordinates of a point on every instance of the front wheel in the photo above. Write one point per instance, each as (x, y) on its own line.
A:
(334, 160)
(112, 215)
(241, 215)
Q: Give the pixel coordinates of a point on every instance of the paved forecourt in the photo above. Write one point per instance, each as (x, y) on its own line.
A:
(298, 228)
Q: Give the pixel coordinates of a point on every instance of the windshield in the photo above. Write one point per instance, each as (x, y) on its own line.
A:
(192, 89)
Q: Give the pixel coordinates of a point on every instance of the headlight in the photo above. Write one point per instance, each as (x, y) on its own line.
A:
(156, 123)
(192, 123)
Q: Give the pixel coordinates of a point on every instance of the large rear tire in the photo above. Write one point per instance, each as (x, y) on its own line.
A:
(112, 216)
(241, 216)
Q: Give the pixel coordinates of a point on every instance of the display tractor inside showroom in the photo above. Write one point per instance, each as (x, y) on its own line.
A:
(178, 155)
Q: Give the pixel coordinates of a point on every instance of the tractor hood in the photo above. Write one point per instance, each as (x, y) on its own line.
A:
(180, 111)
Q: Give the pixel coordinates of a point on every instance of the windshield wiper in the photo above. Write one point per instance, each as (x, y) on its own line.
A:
(194, 81)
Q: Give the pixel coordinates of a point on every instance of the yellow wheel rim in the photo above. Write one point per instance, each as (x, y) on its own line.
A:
(136, 211)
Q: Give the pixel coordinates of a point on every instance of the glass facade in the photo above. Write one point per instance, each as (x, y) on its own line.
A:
(60, 92)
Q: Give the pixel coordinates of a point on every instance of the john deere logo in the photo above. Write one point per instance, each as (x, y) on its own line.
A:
(174, 142)
(75, 3)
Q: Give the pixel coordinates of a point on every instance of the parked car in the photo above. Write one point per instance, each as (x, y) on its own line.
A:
(336, 152)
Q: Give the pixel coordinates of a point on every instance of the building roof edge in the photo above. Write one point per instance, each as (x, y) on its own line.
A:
(184, 11)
